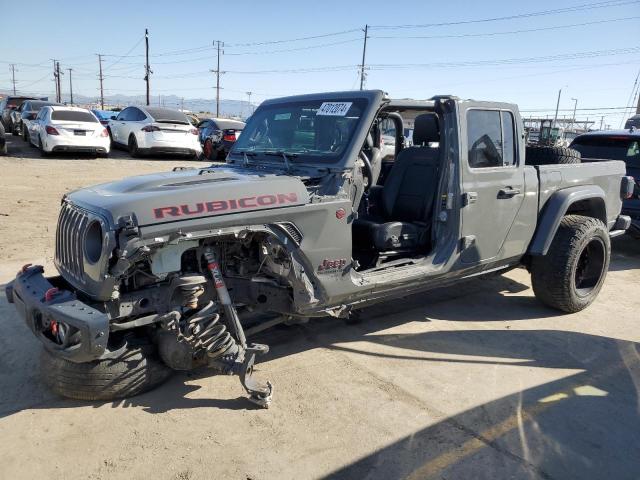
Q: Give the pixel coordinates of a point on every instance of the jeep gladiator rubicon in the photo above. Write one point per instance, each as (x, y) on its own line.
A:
(165, 271)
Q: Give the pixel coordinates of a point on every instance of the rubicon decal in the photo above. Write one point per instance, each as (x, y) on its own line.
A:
(219, 206)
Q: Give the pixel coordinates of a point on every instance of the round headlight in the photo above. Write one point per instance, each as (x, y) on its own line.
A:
(93, 242)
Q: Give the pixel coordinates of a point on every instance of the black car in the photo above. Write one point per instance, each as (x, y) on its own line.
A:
(8, 105)
(616, 145)
(633, 122)
(217, 136)
(3, 141)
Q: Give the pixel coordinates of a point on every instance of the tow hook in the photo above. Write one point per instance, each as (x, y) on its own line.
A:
(259, 392)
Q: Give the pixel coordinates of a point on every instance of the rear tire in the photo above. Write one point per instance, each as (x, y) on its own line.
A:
(207, 149)
(134, 151)
(133, 372)
(551, 156)
(43, 152)
(570, 276)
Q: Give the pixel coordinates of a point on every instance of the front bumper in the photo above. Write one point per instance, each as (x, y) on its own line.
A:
(45, 302)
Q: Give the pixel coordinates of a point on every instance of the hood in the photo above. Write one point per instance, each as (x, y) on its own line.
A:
(189, 194)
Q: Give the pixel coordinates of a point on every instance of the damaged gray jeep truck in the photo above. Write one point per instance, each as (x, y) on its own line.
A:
(173, 271)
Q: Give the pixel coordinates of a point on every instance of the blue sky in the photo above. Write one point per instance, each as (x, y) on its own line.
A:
(75, 31)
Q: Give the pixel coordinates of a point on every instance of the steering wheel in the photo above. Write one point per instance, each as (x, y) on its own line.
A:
(368, 170)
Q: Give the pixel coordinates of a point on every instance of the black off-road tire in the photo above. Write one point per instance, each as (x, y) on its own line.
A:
(551, 156)
(134, 371)
(570, 276)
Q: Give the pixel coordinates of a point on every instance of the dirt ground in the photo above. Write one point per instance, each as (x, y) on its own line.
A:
(475, 382)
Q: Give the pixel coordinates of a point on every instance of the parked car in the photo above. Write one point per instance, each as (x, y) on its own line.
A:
(632, 122)
(616, 145)
(160, 271)
(8, 105)
(28, 113)
(151, 130)
(217, 136)
(3, 141)
(68, 129)
(104, 116)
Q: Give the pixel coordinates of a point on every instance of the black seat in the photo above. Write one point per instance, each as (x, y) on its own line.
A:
(402, 210)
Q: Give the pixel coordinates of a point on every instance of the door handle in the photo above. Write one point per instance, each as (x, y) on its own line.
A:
(508, 192)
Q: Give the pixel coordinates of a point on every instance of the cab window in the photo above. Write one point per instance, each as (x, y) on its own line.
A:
(490, 139)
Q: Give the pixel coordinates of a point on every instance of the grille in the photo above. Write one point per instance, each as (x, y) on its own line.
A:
(72, 224)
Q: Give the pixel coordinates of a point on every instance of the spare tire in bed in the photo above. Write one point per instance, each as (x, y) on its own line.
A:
(551, 156)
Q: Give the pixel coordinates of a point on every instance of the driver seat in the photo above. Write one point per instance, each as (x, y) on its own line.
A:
(401, 212)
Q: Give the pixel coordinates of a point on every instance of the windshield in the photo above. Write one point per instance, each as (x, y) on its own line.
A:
(611, 148)
(314, 130)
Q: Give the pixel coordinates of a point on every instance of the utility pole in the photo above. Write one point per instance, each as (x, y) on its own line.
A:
(147, 70)
(364, 54)
(601, 122)
(55, 79)
(182, 104)
(101, 78)
(218, 73)
(555, 117)
(13, 76)
(58, 74)
(70, 85)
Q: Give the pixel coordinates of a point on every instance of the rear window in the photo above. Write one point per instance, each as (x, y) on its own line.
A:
(610, 148)
(165, 115)
(229, 125)
(35, 106)
(73, 116)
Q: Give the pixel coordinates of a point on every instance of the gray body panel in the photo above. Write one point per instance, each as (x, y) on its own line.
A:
(468, 238)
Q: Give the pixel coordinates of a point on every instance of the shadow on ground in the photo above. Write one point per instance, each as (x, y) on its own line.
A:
(585, 426)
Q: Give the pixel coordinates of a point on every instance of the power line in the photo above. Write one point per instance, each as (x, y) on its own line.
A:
(575, 8)
(510, 32)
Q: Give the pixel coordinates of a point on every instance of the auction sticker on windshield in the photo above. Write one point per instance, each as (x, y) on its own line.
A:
(334, 109)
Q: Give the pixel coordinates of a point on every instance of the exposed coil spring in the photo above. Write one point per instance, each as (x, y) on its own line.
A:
(191, 294)
(204, 331)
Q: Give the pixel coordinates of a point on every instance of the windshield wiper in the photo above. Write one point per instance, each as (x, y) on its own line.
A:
(245, 155)
(285, 157)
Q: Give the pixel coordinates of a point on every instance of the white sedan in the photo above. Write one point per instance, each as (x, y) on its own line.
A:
(68, 129)
(151, 130)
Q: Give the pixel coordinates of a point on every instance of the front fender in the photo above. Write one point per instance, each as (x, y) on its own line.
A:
(557, 206)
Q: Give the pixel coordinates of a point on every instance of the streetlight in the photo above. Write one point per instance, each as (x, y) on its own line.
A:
(555, 117)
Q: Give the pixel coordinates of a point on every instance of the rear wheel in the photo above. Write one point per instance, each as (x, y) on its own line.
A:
(134, 151)
(131, 372)
(43, 152)
(207, 149)
(551, 156)
(571, 274)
